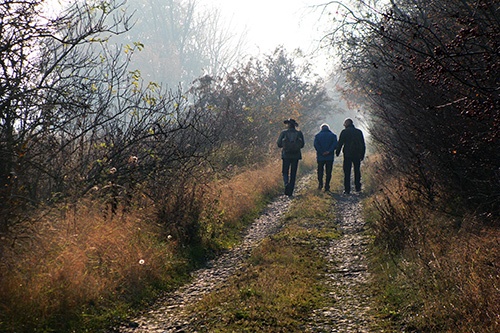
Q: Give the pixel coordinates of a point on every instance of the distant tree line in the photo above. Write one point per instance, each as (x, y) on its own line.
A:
(77, 120)
(430, 73)
(181, 41)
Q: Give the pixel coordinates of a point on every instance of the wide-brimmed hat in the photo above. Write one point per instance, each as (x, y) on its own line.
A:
(291, 121)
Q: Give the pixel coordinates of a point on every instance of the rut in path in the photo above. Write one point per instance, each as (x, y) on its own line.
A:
(170, 315)
(348, 276)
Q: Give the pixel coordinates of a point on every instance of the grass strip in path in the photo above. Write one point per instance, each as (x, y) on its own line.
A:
(281, 284)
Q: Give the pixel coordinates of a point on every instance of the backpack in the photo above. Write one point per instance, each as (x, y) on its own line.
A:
(292, 142)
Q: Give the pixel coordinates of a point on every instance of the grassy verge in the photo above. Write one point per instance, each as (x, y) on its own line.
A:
(434, 271)
(281, 283)
(79, 268)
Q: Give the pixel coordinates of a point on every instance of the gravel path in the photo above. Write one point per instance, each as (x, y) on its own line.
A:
(169, 314)
(348, 274)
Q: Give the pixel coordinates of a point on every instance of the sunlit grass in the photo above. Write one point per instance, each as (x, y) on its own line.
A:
(235, 202)
(76, 259)
(282, 282)
(82, 267)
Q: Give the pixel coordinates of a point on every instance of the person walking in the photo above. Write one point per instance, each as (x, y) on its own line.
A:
(325, 143)
(291, 141)
(353, 143)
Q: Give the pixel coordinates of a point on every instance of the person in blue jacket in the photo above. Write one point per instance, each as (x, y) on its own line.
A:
(325, 143)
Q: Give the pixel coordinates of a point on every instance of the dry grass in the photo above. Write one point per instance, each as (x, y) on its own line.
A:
(239, 194)
(436, 272)
(77, 257)
(230, 204)
(233, 203)
(81, 266)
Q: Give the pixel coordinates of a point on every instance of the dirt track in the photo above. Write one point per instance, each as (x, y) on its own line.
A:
(348, 274)
(346, 278)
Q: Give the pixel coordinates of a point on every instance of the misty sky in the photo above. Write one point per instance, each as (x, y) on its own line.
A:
(269, 23)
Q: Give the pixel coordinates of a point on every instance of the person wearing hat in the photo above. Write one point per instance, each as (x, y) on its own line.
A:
(325, 143)
(291, 141)
(353, 142)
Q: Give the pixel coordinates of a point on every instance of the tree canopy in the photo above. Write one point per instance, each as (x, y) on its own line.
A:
(430, 73)
(76, 116)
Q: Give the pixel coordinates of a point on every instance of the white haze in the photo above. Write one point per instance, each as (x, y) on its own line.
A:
(268, 24)
(294, 24)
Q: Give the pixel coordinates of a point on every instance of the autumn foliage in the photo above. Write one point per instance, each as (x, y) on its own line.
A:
(111, 187)
(429, 73)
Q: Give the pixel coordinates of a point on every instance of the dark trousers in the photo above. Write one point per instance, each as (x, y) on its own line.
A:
(348, 164)
(289, 174)
(325, 168)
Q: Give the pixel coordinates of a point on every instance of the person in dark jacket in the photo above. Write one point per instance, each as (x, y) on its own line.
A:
(290, 156)
(325, 143)
(353, 143)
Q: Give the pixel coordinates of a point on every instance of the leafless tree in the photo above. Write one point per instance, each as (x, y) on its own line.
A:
(39, 60)
(73, 115)
(181, 40)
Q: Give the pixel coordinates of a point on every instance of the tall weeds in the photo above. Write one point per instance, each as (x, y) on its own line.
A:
(82, 266)
(439, 268)
(77, 258)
